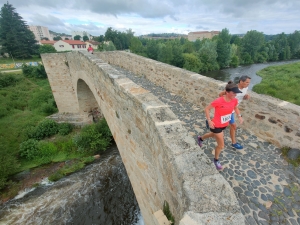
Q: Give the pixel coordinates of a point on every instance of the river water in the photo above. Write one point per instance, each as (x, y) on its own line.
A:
(99, 194)
(234, 73)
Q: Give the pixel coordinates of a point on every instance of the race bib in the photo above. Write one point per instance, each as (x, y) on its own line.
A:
(226, 118)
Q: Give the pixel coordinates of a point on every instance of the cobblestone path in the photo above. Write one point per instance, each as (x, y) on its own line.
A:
(267, 188)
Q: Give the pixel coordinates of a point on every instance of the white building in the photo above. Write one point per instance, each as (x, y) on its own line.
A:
(81, 34)
(69, 45)
(40, 32)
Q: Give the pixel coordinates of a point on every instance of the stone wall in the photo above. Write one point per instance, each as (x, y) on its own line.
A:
(271, 119)
(162, 161)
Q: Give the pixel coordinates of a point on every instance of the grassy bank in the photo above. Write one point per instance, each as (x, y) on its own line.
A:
(282, 82)
(28, 140)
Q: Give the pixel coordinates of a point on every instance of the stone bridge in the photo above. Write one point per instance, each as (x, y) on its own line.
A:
(158, 147)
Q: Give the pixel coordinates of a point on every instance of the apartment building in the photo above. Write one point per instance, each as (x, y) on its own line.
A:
(40, 32)
(193, 36)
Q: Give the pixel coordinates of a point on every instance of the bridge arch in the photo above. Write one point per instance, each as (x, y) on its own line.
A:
(162, 161)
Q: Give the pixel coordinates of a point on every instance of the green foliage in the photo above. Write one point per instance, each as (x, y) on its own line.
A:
(57, 38)
(71, 168)
(8, 164)
(136, 46)
(107, 46)
(15, 37)
(47, 49)
(121, 40)
(7, 80)
(208, 56)
(29, 149)
(45, 128)
(234, 61)
(65, 128)
(251, 43)
(278, 81)
(34, 71)
(42, 100)
(167, 212)
(93, 138)
(192, 62)
(224, 48)
(85, 38)
(77, 37)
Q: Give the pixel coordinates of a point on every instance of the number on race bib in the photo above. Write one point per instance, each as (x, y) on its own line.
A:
(226, 118)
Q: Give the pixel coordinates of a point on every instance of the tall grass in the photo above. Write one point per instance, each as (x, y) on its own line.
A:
(20, 107)
(281, 82)
(29, 140)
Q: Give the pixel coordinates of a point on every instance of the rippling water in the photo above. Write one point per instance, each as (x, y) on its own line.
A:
(235, 73)
(99, 194)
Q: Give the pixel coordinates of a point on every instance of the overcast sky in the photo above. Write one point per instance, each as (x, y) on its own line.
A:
(161, 16)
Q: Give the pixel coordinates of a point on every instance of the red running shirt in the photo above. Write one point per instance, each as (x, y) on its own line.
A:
(223, 111)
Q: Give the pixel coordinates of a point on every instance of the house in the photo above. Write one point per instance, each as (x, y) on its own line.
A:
(193, 36)
(69, 45)
(45, 42)
(94, 44)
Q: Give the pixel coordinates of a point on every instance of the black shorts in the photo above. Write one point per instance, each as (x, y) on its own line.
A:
(217, 130)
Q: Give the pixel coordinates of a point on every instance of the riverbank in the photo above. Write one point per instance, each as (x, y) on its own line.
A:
(280, 81)
(250, 70)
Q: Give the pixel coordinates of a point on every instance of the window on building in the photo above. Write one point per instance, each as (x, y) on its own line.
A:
(84, 46)
(61, 46)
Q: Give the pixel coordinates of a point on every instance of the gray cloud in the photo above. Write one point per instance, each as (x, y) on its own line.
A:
(239, 16)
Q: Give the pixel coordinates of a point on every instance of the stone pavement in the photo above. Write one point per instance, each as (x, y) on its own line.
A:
(267, 188)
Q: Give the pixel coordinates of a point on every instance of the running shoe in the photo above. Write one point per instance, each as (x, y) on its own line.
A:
(218, 165)
(237, 146)
(199, 141)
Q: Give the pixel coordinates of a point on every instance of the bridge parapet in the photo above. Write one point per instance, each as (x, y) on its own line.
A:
(162, 161)
(271, 119)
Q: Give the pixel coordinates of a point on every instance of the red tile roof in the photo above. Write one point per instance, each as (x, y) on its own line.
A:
(74, 42)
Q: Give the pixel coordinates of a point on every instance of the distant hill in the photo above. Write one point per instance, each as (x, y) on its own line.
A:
(58, 34)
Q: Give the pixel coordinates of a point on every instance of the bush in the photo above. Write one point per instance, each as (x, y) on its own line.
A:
(29, 149)
(8, 166)
(65, 128)
(34, 71)
(93, 138)
(46, 128)
(7, 80)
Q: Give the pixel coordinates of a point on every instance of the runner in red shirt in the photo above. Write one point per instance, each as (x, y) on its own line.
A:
(223, 109)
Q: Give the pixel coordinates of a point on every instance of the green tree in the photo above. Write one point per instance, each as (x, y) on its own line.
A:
(165, 53)
(77, 37)
(192, 62)
(45, 38)
(294, 43)
(136, 46)
(152, 49)
(85, 38)
(47, 49)
(57, 38)
(177, 52)
(224, 48)
(108, 46)
(208, 56)
(252, 42)
(282, 47)
(15, 37)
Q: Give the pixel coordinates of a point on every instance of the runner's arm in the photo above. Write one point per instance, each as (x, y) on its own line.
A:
(222, 93)
(238, 113)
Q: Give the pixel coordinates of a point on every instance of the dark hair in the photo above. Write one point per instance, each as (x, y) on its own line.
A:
(244, 78)
(230, 85)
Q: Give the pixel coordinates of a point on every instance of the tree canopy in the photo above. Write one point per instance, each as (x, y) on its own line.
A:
(15, 37)
(77, 37)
